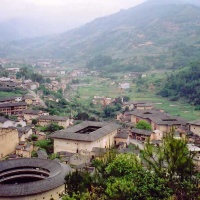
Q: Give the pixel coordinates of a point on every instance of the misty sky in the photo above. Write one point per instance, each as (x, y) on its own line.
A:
(62, 14)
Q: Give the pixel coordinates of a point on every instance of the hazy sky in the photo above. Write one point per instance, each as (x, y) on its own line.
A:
(63, 14)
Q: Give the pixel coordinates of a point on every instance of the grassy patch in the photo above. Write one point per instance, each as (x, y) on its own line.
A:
(110, 88)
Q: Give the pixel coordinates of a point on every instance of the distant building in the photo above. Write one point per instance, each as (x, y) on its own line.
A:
(29, 99)
(45, 120)
(102, 100)
(124, 85)
(29, 115)
(13, 108)
(13, 99)
(159, 120)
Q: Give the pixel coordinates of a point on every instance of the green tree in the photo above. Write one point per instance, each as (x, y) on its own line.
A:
(126, 98)
(174, 163)
(48, 80)
(143, 125)
(34, 121)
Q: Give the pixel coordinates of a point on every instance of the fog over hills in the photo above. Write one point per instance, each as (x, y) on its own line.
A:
(155, 33)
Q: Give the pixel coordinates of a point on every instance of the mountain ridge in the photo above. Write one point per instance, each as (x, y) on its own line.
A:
(147, 31)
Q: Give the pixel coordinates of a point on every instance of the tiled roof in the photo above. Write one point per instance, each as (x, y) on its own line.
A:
(8, 98)
(57, 172)
(3, 119)
(141, 132)
(158, 117)
(27, 96)
(73, 133)
(50, 117)
(23, 130)
(12, 104)
(168, 120)
(195, 122)
(122, 135)
(32, 112)
(42, 154)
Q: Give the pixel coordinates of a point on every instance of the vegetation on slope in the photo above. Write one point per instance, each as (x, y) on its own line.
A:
(184, 83)
(149, 35)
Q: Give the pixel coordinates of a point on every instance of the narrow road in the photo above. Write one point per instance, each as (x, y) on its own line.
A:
(37, 97)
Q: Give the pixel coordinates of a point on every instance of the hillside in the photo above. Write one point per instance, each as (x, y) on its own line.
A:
(183, 83)
(155, 34)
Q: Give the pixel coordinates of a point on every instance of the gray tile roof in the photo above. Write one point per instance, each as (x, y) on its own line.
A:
(195, 122)
(168, 120)
(50, 117)
(12, 104)
(3, 119)
(32, 112)
(57, 172)
(8, 98)
(73, 133)
(23, 130)
(122, 135)
(42, 154)
(27, 96)
(141, 132)
(160, 118)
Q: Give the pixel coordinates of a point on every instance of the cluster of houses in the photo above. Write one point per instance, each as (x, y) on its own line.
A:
(15, 135)
(102, 100)
(15, 105)
(161, 123)
(78, 144)
(55, 85)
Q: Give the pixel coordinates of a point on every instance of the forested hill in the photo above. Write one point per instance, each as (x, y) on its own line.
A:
(154, 34)
(184, 83)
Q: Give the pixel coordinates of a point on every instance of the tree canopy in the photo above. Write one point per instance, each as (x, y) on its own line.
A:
(143, 125)
(163, 173)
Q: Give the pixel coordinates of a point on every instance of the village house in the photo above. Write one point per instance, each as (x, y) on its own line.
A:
(159, 120)
(5, 123)
(194, 126)
(13, 99)
(4, 79)
(13, 108)
(122, 138)
(24, 132)
(85, 136)
(124, 86)
(9, 84)
(102, 100)
(29, 99)
(141, 105)
(166, 124)
(45, 120)
(29, 115)
(144, 106)
(50, 76)
(145, 135)
(24, 149)
(8, 140)
(76, 73)
(13, 70)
